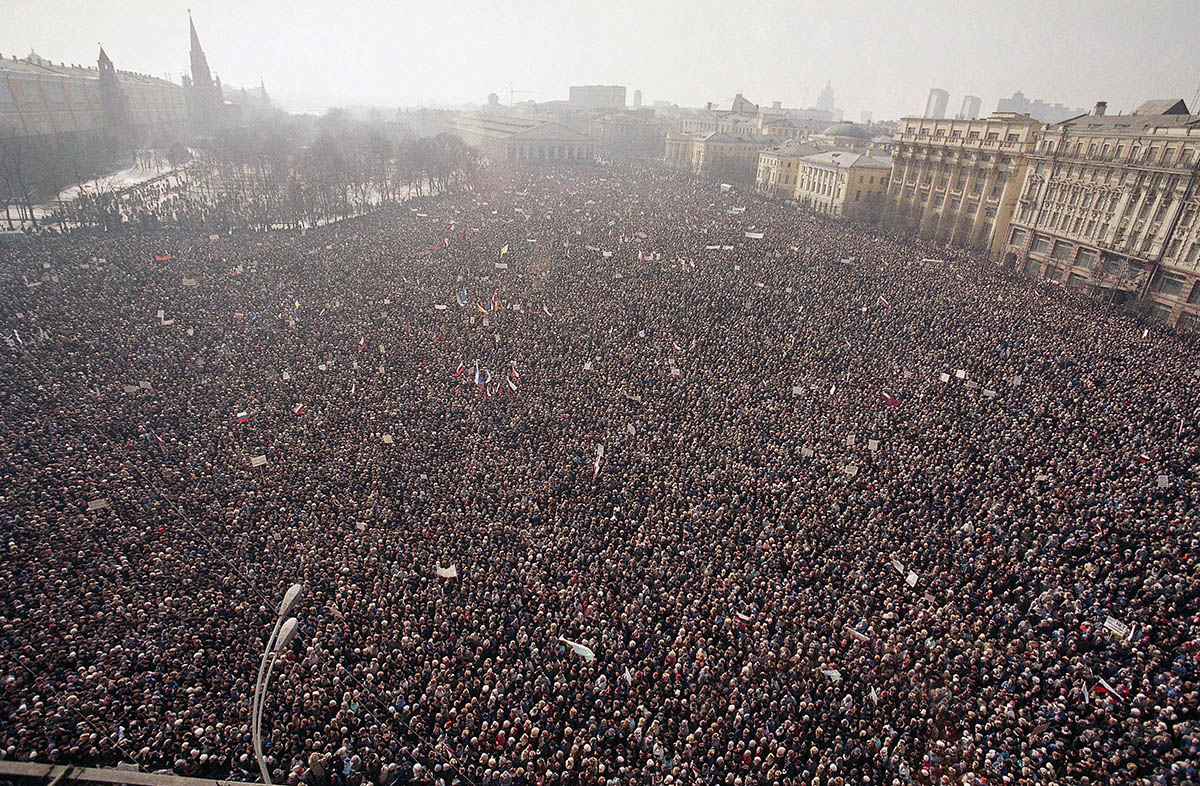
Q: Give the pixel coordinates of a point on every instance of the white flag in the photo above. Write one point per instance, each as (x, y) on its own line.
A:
(585, 652)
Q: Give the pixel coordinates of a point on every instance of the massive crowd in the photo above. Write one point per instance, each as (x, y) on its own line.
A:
(867, 511)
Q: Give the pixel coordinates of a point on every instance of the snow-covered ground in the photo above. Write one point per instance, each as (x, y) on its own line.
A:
(114, 181)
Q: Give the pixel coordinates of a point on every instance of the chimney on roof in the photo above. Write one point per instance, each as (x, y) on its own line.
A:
(1101, 106)
(708, 106)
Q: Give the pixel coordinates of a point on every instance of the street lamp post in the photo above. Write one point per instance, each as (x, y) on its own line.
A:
(281, 636)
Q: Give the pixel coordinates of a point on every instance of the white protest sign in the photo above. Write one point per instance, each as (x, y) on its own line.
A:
(98, 504)
(960, 374)
(387, 439)
(258, 461)
(190, 282)
(1163, 481)
(447, 573)
(851, 470)
(832, 674)
(872, 445)
(144, 385)
(797, 390)
(943, 377)
(806, 452)
(988, 393)
(850, 440)
(856, 634)
(911, 579)
(898, 565)
(130, 388)
(1117, 627)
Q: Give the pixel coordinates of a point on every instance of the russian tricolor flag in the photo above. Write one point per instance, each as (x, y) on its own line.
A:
(243, 416)
(299, 409)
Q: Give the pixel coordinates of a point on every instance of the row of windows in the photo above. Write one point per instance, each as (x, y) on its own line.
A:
(1167, 155)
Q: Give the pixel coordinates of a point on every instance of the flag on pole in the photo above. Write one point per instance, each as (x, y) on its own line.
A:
(243, 416)
(546, 311)
(478, 375)
(889, 399)
(599, 456)
(461, 367)
(881, 300)
(299, 409)
(1104, 687)
(504, 249)
(514, 370)
(512, 386)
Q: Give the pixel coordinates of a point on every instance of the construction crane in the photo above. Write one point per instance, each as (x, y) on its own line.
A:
(512, 93)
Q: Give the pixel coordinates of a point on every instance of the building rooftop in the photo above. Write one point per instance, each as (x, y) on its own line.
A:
(843, 160)
(847, 129)
(1158, 113)
(39, 66)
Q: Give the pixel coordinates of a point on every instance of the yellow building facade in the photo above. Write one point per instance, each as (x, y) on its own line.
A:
(41, 98)
(844, 184)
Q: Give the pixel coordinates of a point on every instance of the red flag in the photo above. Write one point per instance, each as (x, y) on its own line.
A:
(162, 257)
(889, 399)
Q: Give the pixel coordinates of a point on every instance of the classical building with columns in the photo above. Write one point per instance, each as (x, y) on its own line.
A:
(844, 184)
(957, 181)
(1111, 206)
(520, 140)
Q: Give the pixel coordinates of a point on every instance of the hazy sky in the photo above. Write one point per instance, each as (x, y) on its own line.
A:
(881, 56)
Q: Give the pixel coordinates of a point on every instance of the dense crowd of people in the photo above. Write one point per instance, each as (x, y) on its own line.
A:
(828, 506)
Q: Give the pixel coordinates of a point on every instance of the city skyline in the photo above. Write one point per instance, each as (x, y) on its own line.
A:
(457, 55)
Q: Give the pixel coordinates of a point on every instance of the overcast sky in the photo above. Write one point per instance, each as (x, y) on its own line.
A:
(882, 56)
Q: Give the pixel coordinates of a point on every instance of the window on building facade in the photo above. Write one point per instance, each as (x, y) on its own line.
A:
(1086, 258)
(972, 135)
(1013, 137)
(1171, 284)
(5, 94)
(31, 93)
(1062, 251)
(1053, 273)
(1076, 281)
(1041, 244)
(1018, 237)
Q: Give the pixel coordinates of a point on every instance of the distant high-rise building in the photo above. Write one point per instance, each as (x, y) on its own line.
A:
(865, 117)
(935, 105)
(825, 101)
(970, 108)
(637, 99)
(1037, 108)
(597, 96)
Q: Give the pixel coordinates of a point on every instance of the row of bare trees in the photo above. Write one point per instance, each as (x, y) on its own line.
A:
(286, 171)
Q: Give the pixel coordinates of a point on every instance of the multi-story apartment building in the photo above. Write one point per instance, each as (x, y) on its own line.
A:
(1111, 206)
(957, 181)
